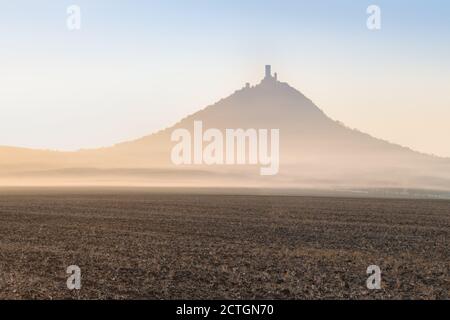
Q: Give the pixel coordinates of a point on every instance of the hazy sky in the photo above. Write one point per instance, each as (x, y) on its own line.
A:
(139, 66)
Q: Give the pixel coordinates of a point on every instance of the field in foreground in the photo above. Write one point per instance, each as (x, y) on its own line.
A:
(171, 246)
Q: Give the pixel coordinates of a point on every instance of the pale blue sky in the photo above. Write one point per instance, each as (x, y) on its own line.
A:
(138, 66)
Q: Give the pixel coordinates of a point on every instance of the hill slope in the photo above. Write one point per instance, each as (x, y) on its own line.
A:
(315, 152)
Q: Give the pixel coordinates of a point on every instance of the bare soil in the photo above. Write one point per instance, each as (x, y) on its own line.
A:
(149, 245)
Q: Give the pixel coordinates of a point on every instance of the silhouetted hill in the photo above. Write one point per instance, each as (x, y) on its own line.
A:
(316, 151)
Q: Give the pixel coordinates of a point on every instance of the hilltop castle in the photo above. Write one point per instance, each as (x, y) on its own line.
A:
(269, 73)
(267, 78)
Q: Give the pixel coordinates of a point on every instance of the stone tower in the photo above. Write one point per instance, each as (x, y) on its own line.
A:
(268, 71)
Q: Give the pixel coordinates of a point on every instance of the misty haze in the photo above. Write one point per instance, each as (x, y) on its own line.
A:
(316, 153)
(150, 151)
